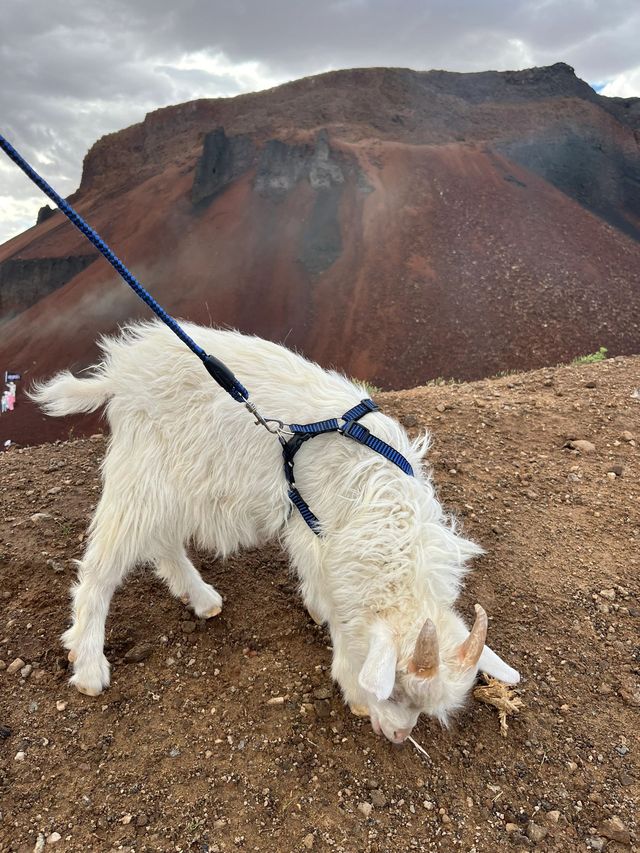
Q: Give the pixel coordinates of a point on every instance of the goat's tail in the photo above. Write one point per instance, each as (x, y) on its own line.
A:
(66, 395)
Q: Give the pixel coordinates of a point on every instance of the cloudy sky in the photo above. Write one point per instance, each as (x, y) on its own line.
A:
(74, 70)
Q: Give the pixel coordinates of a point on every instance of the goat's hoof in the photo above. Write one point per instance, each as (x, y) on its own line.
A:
(211, 613)
(185, 599)
(71, 656)
(91, 677)
(88, 691)
(359, 710)
(317, 619)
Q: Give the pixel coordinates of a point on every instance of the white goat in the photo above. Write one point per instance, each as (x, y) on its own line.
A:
(186, 463)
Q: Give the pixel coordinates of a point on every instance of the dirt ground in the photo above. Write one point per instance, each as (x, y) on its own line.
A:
(187, 750)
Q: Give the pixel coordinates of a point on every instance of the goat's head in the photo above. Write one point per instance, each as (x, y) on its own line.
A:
(430, 673)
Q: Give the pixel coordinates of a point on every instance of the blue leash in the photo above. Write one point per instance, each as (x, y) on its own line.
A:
(219, 371)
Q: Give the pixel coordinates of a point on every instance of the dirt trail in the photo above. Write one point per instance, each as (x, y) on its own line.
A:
(185, 751)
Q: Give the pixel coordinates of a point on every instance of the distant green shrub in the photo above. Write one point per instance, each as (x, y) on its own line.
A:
(593, 357)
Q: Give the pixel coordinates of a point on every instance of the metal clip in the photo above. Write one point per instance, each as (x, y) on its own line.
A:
(280, 429)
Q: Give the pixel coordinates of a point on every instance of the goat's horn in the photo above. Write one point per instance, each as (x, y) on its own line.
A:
(426, 654)
(470, 651)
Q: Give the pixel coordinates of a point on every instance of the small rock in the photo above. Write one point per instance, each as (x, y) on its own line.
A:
(39, 516)
(54, 490)
(139, 653)
(615, 830)
(26, 671)
(512, 827)
(218, 824)
(627, 436)
(323, 693)
(596, 843)
(188, 627)
(308, 841)
(58, 568)
(14, 666)
(60, 705)
(39, 847)
(582, 446)
(276, 700)
(609, 594)
(174, 752)
(365, 808)
(536, 832)
(409, 420)
(616, 469)
(553, 816)
(3, 664)
(19, 756)
(590, 384)
(5, 732)
(441, 408)
(322, 708)
(142, 820)
(378, 799)
(622, 749)
(631, 697)
(53, 838)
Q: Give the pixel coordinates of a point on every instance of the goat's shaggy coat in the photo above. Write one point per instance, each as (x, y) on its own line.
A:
(186, 463)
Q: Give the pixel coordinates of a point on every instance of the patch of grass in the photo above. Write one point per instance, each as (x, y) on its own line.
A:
(592, 357)
(369, 387)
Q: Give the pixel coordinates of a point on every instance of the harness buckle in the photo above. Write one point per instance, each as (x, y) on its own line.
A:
(350, 426)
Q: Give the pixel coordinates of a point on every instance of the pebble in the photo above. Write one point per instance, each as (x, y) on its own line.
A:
(3, 664)
(19, 756)
(365, 808)
(583, 446)
(142, 820)
(378, 799)
(322, 708)
(615, 829)
(60, 705)
(536, 832)
(58, 568)
(409, 420)
(188, 627)
(308, 841)
(609, 594)
(596, 843)
(14, 666)
(323, 693)
(276, 700)
(39, 846)
(139, 653)
(39, 516)
(54, 490)
(26, 670)
(553, 815)
(53, 838)
(617, 470)
(627, 436)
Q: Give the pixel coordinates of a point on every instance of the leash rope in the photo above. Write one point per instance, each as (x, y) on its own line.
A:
(219, 371)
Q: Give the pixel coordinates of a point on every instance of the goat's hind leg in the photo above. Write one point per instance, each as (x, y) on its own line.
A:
(100, 573)
(185, 582)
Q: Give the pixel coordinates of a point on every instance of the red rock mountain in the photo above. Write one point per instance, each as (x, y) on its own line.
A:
(399, 225)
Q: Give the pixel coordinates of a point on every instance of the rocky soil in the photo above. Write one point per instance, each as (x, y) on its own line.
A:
(228, 734)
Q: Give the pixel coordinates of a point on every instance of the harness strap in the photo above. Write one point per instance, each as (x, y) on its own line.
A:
(352, 429)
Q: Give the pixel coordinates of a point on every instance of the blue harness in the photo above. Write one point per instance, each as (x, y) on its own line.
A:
(220, 372)
(349, 427)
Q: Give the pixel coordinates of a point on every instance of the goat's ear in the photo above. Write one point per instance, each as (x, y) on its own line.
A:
(494, 666)
(378, 673)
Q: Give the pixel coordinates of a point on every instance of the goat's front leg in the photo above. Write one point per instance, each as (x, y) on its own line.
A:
(185, 582)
